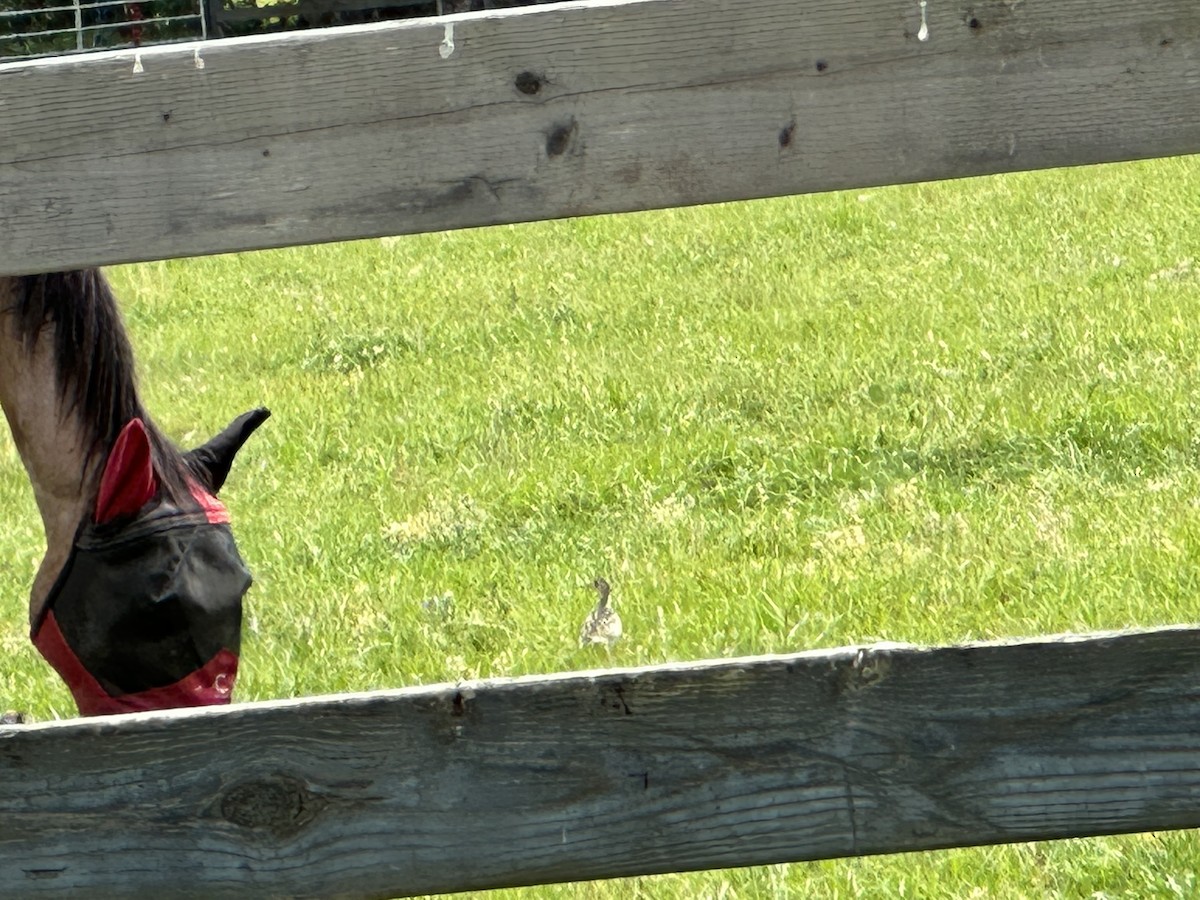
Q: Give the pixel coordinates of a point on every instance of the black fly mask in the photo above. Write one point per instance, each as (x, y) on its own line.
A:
(147, 612)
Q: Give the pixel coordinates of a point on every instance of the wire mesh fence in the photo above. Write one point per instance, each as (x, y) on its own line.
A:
(33, 28)
(38, 28)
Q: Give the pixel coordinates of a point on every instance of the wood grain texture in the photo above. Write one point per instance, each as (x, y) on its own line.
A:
(568, 110)
(592, 775)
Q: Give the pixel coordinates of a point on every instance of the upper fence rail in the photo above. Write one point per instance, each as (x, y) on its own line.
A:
(570, 109)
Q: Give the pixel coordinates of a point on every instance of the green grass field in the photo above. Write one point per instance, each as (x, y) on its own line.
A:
(930, 413)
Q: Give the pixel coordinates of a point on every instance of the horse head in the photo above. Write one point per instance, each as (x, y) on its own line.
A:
(137, 601)
(146, 613)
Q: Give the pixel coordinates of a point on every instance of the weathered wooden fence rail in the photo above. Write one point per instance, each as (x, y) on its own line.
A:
(593, 775)
(570, 109)
(557, 111)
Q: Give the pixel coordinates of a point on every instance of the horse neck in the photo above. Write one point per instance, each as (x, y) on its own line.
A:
(51, 440)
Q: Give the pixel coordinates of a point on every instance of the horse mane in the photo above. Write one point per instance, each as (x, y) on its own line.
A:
(94, 364)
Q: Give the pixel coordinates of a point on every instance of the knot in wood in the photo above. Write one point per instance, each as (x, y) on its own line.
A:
(528, 83)
(275, 803)
(560, 137)
(786, 134)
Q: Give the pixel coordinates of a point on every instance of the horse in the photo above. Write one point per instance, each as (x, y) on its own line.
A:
(137, 603)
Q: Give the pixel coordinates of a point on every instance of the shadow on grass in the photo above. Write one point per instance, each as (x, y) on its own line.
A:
(1118, 451)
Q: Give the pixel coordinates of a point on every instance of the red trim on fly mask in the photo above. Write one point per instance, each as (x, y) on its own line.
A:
(214, 509)
(211, 685)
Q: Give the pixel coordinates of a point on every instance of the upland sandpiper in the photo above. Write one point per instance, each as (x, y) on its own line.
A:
(603, 625)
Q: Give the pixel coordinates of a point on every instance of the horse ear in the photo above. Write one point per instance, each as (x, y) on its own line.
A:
(210, 461)
(128, 482)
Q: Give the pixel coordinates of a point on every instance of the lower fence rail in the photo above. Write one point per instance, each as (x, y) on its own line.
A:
(854, 751)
